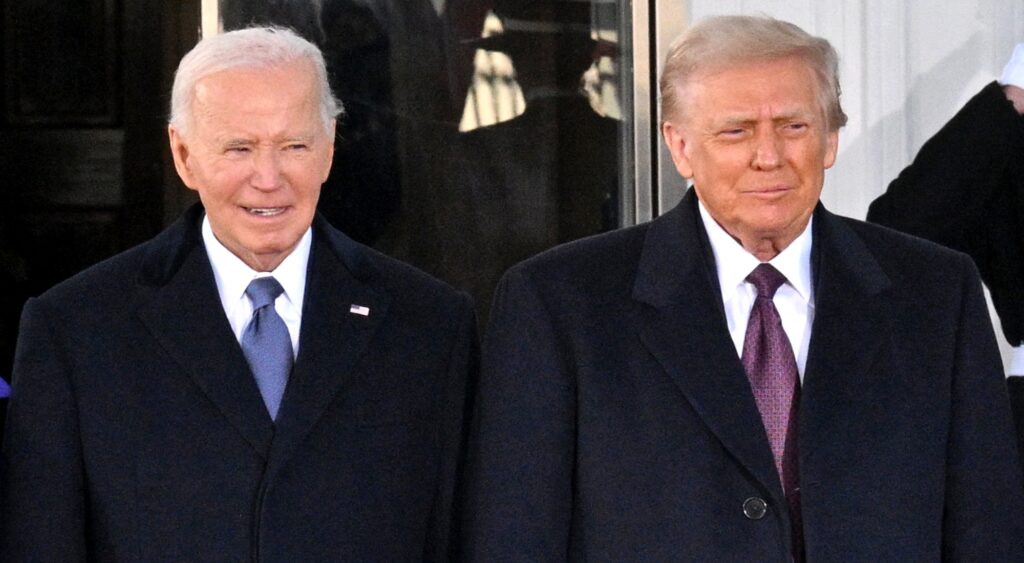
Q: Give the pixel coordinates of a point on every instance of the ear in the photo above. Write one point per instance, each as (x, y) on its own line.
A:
(831, 148)
(331, 136)
(676, 141)
(180, 152)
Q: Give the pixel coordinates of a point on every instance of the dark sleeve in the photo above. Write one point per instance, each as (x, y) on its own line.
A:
(983, 519)
(520, 462)
(964, 190)
(42, 481)
(456, 391)
(942, 194)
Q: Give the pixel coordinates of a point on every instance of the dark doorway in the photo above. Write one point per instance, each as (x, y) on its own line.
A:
(84, 168)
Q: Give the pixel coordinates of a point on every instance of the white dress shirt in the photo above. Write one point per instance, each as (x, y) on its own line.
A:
(233, 277)
(794, 299)
(1016, 362)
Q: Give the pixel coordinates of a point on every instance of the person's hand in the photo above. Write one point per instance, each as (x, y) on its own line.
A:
(1016, 96)
(1012, 78)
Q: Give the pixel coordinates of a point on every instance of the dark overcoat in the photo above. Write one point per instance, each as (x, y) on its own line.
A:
(614, 421)
(137, 433)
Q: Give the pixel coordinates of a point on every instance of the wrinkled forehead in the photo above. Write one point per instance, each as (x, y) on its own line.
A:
(266, 92)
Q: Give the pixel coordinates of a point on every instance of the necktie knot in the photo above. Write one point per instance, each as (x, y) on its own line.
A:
(766, 280)
(263, 291)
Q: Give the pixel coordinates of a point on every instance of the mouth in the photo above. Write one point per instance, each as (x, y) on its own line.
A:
(265, 211)
(769, 191)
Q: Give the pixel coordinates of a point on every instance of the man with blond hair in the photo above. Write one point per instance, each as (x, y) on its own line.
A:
(748, 377)
(251, 384)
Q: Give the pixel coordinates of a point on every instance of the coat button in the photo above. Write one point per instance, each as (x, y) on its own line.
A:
(754, 508)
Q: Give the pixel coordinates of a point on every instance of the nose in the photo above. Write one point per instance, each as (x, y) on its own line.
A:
(266, 173)
(767, 149)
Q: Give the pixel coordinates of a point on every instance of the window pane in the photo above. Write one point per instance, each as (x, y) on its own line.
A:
(476, 133)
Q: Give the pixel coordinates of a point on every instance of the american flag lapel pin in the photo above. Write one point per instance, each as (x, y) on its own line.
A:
(359, 310)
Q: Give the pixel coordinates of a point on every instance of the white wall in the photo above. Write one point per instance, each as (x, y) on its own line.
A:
(906, 68)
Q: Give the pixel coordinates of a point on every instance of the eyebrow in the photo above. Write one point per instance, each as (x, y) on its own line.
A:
(306, 138)
(750, 119)
(233, 142)
(236, 142)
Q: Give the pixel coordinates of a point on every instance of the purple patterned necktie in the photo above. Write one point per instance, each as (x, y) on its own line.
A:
(771, 368)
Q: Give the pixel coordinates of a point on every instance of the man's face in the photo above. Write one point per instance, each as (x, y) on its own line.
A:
(257, 153)
(754, 141)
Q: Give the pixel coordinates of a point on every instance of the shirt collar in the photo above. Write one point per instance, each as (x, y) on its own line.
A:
(233, 276)
(734, 263)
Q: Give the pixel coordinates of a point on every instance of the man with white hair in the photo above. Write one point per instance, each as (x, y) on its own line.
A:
(250, 384)
(748, 377)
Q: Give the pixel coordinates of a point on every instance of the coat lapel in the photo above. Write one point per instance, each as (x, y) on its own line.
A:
(853, 319)
(178, 303)
(333, 338)
(685, 329)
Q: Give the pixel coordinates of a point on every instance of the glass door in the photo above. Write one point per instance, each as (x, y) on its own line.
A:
(476, 133)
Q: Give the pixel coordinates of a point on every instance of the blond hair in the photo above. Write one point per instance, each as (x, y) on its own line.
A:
(722, 41)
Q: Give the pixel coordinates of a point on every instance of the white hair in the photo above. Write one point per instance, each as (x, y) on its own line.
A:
(250, 48)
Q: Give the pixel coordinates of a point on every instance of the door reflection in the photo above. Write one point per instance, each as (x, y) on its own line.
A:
(535, 163)
(550, 174)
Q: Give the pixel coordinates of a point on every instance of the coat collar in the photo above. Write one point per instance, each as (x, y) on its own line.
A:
(684, 327)
(333, 338)
(178, 302)
(852, 324)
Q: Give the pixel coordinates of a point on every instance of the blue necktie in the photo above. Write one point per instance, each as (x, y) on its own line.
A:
(266, 343)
